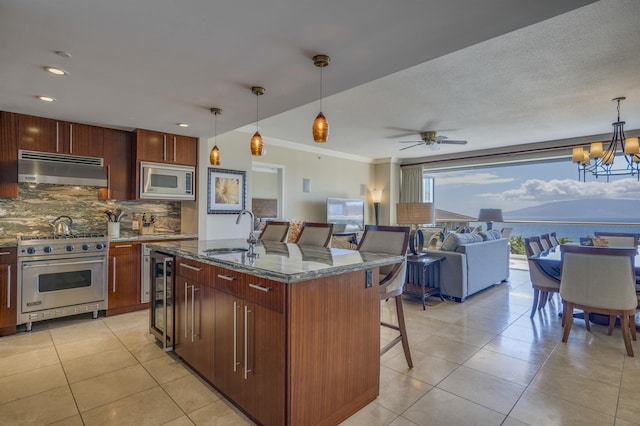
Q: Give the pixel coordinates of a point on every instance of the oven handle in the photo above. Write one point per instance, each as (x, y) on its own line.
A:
(44, 265)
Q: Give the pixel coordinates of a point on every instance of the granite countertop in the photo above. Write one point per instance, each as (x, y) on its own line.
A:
(284, 262)
(9, 242)
(134, 236)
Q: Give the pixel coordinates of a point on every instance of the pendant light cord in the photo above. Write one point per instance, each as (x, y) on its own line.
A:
(321, 88)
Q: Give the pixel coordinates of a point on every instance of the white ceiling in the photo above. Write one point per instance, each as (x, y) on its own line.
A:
(496, 72)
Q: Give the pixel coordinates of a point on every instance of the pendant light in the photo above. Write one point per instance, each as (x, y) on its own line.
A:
(320, 127)
(257, 146)
(214, 155)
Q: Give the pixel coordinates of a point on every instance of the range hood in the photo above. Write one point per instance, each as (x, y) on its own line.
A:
(61, 169)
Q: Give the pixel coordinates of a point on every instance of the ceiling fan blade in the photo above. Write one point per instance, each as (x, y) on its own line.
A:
(407, 147)
(453, 142)
(411, 142)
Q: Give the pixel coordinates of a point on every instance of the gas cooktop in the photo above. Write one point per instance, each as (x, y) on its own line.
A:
(57, 237)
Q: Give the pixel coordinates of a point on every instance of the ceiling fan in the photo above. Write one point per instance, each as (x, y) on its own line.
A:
(430, 139)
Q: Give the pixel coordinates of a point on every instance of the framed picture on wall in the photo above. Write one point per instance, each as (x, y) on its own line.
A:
(226, 191)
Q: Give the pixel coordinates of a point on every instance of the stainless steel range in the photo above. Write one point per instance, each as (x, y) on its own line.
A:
(61, 275)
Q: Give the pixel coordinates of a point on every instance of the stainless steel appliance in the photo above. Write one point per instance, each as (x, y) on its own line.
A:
(145, 274)
(61, 169)
(61, 275)
(166, 181)
(161, 310)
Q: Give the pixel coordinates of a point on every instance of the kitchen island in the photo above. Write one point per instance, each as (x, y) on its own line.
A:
(291, 336)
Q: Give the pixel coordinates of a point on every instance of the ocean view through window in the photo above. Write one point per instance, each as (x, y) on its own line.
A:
(540, 197)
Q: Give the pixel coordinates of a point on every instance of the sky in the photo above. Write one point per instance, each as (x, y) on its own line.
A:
(524, 185)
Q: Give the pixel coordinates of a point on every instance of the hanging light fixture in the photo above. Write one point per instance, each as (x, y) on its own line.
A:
(257, 146)
(214, 155)
(603, 158)
(320, 127)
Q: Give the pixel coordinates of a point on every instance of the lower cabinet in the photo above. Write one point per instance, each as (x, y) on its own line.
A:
(249, 349)
(8, 289)
(124, 278)
(194, 316)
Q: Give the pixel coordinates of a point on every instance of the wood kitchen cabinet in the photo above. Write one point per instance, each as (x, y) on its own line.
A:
(61, 137)
(8, 289)
(194, 316)
(124, 278)
(118, 163)
(159, 147)
(249, 347)
(8, 155)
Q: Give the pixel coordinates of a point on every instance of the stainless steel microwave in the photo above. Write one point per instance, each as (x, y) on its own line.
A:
(167, 182)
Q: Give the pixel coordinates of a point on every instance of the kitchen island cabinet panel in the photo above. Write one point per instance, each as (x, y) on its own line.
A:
(194, 316)
(124, 278)
(8, 290)
(118, 163)
(8, 155)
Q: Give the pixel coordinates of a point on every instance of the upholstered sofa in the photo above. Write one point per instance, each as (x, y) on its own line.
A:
(472, 262)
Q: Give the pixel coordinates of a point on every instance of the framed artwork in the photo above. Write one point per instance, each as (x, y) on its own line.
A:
(226, 191)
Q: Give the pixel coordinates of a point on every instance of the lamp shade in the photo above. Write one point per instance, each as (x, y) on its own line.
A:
(214, 156)
(256, 144)
(490, 215)
(320, 128)
(415, 213)
(631, 146)
(596, 150)
(376, 195)
(578, 154)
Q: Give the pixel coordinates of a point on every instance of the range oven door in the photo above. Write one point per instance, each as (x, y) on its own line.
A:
(54, 283)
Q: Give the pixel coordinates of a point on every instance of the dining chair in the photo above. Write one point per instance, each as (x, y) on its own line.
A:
(619, 239)
(390, 240)
(315, 234)
(544, 285)
(554, 240)
(601, 280)
(275, 231)
(545, 240)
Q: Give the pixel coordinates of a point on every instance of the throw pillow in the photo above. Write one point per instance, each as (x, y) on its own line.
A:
(454, 240)
(496, 233)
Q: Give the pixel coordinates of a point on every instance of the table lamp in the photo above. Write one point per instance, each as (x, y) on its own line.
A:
(490, 216)
(415, 214)
(376, 197)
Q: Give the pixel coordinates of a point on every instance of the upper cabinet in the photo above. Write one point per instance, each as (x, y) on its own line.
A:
(159, 147)
(8, 155)
(118, 152)
(47, 135)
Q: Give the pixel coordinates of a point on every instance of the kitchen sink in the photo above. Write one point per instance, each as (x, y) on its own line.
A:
(225, 250)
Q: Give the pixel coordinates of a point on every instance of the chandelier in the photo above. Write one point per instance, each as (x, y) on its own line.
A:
(603, 159)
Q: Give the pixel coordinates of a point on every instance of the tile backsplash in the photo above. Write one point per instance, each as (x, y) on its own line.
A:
(38, 205)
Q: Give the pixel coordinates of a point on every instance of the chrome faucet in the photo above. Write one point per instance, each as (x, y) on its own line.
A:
(252, 237)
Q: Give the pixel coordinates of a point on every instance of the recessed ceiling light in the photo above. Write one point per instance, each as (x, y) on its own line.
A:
(56, 71)
(63, 54)
(46, 98)
(183, 124)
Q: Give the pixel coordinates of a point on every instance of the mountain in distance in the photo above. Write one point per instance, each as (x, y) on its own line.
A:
(585, 210)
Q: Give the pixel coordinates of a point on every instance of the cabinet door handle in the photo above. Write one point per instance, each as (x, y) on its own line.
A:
(247, 311)
(174, 149)
(223, 277)
(2, 253)
(57, 136)
(70, 138)
(259, 287)
(164, 141)
(113, 278)
(193, 268)
(9, 287)
(109, 181)
(123, 246)
(186, 289)
(235, 336)
(193, 312)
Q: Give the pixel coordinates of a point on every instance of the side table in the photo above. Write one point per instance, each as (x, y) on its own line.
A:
(423, 276)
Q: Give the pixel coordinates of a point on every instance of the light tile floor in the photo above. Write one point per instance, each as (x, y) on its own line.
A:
(482, 362)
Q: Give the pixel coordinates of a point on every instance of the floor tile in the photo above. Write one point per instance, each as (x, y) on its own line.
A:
(180, 421)
(445, 348)
(533, 352)
(112, 386)
(484, 389)
(78, 331)
(69, 421)
(31, 382)
(25, 342)
(371, 415)
(90, 346)
(41, 409)
(190, 393)
(150, 407)
(426, 368)
(399, 391)
(629, 406)
(78, 369)
(536, 408)
(147, 351)
(165, 368)
(503, 366)
(439, 407)
(26, 361)
(218, 413)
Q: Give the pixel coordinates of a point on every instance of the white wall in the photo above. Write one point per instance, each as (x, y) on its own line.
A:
(330, 177)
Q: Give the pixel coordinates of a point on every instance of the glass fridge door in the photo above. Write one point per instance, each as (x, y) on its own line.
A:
(161, 289)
